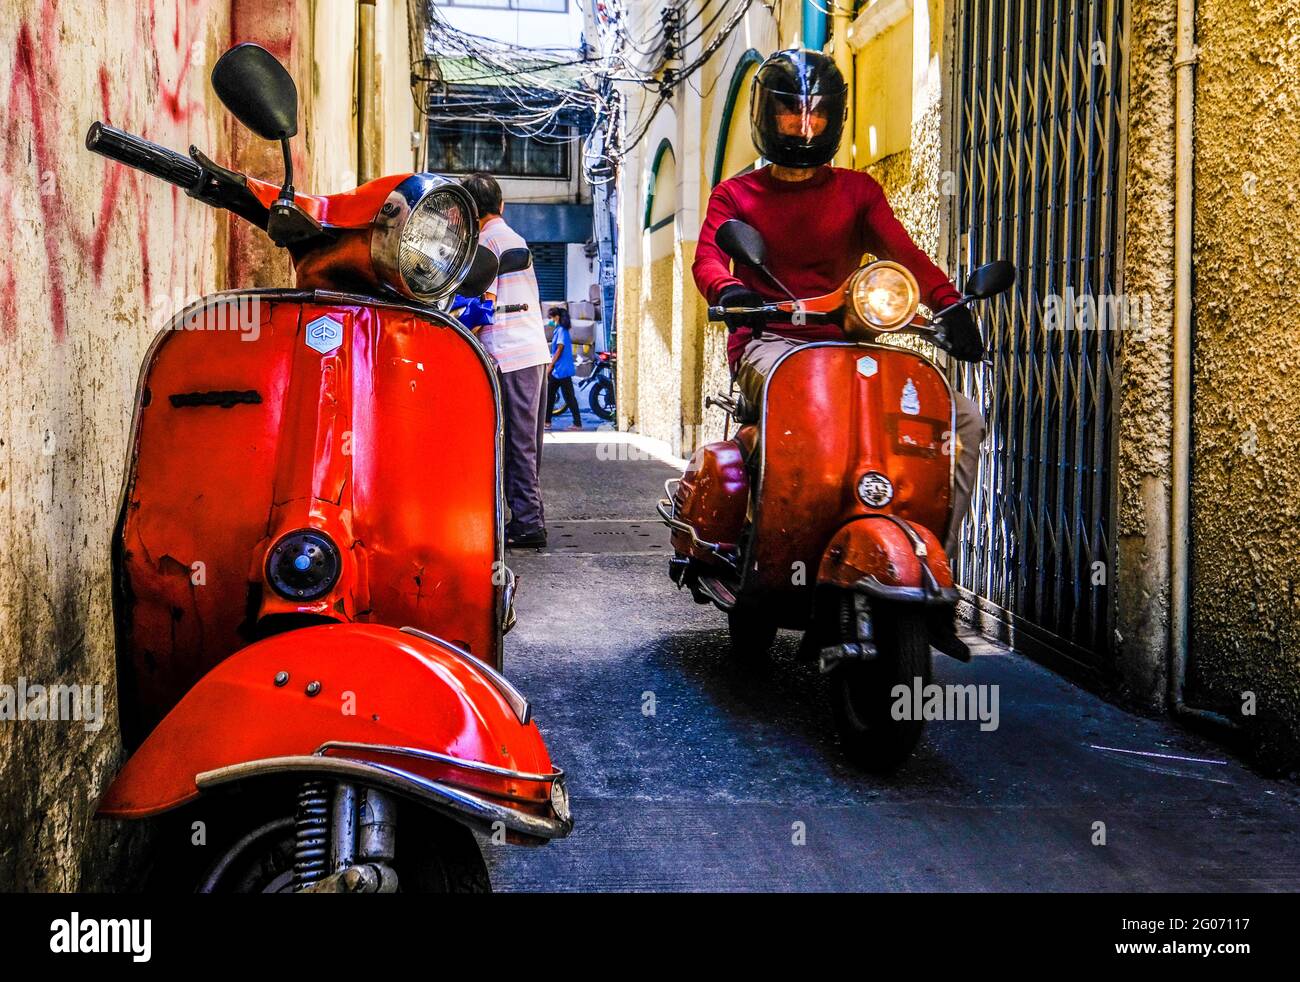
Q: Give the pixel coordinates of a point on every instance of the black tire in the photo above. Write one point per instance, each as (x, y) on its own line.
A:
(752, 634)
(434, 854)
(862, 697)
(601, 399)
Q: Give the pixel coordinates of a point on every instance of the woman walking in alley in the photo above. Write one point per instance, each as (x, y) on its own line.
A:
(562, 368)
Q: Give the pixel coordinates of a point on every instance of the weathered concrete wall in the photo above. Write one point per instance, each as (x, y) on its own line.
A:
(94, 251)
(1144, 394)
(98, 257)
(1246, 474)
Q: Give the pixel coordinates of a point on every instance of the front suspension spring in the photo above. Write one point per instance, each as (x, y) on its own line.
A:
(311, 834)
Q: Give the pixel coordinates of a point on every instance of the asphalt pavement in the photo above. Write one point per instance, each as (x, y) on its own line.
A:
(689, 772)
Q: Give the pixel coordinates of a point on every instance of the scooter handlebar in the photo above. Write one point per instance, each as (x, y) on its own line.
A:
(719, 313)
(141, 154)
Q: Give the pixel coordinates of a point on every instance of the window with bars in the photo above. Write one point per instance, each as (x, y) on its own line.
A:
(469, 146)
(551, 265)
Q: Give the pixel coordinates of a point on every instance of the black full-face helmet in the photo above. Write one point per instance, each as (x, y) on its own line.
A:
(797, 107)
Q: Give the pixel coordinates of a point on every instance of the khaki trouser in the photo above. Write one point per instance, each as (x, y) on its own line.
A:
(760, 357)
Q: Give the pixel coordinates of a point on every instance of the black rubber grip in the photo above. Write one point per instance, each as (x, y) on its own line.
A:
(143, 155)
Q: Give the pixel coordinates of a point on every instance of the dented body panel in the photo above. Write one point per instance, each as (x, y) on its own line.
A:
(375, 423)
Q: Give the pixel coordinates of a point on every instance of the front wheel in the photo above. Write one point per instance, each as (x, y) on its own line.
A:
(601, 399)
(251, 847)
(863, 699)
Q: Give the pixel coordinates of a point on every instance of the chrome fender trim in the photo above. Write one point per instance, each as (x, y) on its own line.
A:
(457, 804)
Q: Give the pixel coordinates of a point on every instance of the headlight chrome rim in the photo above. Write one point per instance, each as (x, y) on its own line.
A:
(392, 221)
(869, 315)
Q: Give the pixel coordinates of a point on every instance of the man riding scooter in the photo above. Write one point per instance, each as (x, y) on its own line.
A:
(818, 222)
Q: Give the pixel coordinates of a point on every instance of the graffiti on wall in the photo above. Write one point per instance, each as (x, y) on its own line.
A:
(89, 215)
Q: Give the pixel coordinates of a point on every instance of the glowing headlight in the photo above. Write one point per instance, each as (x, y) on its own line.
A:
(885, 295)
(424, 237)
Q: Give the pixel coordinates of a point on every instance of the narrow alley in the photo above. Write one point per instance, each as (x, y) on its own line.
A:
(689, 773)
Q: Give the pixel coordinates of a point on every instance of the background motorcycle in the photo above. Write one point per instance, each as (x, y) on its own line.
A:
(825, 512)
(599, 386)
(310, 592)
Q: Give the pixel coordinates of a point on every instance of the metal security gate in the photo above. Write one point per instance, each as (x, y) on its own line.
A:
(1039, 99)
(550, 263)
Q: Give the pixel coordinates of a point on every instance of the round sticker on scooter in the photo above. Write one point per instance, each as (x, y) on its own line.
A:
(875, 490)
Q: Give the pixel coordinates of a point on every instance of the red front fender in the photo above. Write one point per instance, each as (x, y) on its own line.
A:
(888, 557)
(381, 704)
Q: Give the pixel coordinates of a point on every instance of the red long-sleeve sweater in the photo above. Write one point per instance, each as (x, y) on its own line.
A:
(816, 232)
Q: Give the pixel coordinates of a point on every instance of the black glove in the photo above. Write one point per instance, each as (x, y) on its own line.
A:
(959, 335)
(737, 295)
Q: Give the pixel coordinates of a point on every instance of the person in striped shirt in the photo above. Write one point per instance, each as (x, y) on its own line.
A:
(516, 340)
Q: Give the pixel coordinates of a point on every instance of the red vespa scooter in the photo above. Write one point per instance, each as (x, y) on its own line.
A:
(310, 592)
(825, 512)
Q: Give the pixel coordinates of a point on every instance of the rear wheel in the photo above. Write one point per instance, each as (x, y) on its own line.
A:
(862, 693)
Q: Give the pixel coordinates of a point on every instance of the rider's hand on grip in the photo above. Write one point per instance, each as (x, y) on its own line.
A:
(959, 335)
(737, 295)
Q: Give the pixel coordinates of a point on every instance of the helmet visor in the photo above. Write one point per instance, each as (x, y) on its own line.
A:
(797, 123)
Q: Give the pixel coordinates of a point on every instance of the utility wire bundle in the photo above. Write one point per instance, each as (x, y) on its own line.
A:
(535, 93)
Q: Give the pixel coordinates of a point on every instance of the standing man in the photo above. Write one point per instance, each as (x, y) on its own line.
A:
(517, 341)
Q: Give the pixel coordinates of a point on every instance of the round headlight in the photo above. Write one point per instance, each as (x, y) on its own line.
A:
(424, 237)
(885, 295)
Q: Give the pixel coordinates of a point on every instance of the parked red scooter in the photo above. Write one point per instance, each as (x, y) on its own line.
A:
(309, 583)
(825, 512)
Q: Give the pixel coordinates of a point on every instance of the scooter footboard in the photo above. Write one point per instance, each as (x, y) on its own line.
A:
(397, 709)
(889, 558)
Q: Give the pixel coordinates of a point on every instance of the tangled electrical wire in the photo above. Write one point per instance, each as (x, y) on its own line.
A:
(537, 93)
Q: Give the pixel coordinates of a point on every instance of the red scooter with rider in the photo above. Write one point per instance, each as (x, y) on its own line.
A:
(310, 591)
(832, 508)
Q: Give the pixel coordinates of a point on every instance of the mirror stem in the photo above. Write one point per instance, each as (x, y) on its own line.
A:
(964, 301)
(287, 190)
(784, 288)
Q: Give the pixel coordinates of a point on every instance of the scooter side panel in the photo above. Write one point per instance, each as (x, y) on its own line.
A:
(712, 498)
(376, 685)
(835, 412)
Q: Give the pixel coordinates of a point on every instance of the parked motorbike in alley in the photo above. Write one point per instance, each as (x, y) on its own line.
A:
(825, 511)
(310, 593)
(599, 386)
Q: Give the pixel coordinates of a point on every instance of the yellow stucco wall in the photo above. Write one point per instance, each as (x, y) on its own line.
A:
(1246, 478)
(97, 258)
(670, 358)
